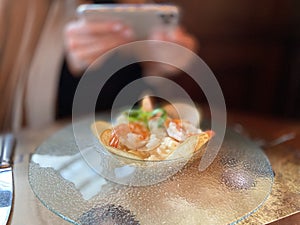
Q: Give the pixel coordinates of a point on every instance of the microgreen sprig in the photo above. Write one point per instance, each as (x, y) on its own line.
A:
(139, 115)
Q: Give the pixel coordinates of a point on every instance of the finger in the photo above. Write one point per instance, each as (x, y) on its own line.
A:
(81, 41)
(84, 27)
(163, 34)
(178, 36)
(91, 52)
(80, 58)
(76, 43)
(183, 38)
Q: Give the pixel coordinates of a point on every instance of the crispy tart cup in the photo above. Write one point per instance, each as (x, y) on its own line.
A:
(126, 168)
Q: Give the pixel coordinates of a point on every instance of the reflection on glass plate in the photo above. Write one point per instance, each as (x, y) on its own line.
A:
(235, 185)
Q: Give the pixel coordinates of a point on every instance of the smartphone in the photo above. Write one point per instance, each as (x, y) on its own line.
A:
(142, 18)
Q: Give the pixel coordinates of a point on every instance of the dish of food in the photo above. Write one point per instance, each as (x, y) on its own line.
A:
(151, 134)
(87, 186)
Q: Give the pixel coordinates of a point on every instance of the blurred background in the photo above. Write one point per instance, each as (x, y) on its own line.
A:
(253, 48)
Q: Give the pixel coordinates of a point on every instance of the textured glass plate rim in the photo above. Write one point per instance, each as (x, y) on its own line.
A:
(55, 212)
(76, 223)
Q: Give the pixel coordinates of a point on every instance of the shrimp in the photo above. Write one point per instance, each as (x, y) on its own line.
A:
(157, 134)
(132, 135)
(180, 130)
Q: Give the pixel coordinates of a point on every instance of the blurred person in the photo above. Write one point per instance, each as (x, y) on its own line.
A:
(87, 40)
(36, 87)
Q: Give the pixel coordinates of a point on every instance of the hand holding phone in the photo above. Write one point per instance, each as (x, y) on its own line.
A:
(102, 27)
(85, 41)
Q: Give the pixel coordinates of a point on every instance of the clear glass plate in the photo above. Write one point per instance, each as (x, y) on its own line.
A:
(234, 186)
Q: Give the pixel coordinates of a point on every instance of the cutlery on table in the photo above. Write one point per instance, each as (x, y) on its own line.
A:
(7, 145)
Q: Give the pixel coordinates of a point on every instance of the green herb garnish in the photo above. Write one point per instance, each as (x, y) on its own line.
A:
(139, 115)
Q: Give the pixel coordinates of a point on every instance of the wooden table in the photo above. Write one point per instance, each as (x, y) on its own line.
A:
(282, 207)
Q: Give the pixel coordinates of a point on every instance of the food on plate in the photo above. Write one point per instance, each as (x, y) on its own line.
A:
(151, 134)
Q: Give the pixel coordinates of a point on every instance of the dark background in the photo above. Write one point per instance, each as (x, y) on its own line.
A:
(253, 48)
